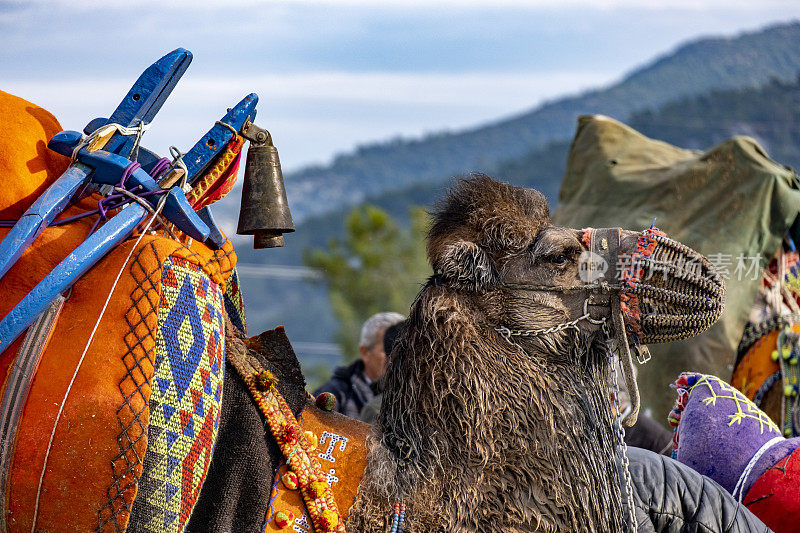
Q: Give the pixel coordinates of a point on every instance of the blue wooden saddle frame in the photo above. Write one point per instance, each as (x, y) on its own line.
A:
(93, 169)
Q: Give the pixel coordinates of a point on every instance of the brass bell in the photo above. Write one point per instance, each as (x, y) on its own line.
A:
(264, 210)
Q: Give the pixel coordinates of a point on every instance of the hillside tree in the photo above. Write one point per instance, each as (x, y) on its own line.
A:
(377, 266)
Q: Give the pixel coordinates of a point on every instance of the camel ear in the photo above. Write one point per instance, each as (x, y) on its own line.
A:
(467, 266)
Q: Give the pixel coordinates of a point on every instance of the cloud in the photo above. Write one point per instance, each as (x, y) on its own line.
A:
(462, 36)
(692, 5)
(404, 88)
(314, 115)
(335, 73)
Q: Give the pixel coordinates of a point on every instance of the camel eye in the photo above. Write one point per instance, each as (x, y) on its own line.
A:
(559, 259)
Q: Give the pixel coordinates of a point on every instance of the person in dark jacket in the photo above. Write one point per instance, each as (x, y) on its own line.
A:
(370, 411)
(353, 384)
(670, 497)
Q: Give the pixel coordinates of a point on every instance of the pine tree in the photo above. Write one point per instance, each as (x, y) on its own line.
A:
(378, 266)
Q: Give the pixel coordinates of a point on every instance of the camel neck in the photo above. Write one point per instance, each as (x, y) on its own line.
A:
(510, 466)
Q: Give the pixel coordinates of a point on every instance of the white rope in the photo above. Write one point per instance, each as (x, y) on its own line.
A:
(137, 130)
(739, 488)
(140, 128)
(83, 355)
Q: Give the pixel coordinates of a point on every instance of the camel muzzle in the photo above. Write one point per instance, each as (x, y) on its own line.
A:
(667, 291)
(661, 291)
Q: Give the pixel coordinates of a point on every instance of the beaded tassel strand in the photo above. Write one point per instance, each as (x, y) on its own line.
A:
(399, 517)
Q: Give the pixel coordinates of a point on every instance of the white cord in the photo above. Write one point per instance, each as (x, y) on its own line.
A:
(739, 488)
(83, 355)
(137, 130)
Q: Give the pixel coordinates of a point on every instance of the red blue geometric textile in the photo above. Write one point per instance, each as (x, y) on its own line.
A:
(185, 398)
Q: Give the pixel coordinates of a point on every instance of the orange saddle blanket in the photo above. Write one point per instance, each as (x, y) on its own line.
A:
(79, 417)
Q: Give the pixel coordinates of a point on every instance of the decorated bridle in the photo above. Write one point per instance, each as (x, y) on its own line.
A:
(605, 287)
(664, 292)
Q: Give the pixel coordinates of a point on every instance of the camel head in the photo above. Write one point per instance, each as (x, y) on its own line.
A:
(496, 240)
(495, 413)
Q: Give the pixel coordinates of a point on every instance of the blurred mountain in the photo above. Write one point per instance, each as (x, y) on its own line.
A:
(703, 93)
(746, 60)
(769, 114)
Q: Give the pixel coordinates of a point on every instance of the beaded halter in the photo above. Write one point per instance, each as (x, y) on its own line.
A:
(664, 291)
(297, 446)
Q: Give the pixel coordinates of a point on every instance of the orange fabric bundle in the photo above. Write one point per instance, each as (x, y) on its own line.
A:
(27, 166)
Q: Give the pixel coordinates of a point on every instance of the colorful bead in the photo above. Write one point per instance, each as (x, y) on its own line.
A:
(317, 489)
(326, 401)
(290, 434)
(398, 518)
(290, 480)
(774, 355)
(312, 440)
(328, 520)
(316, 494)
(265, 380)
(284, 519)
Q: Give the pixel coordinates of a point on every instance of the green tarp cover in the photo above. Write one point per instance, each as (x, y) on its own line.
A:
(733, 204)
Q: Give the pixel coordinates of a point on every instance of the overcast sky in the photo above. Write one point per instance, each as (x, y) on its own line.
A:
(332, 74)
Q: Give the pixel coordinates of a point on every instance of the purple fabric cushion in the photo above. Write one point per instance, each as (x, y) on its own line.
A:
(718, 430)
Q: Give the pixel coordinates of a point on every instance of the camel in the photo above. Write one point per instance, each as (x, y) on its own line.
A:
(479, 433)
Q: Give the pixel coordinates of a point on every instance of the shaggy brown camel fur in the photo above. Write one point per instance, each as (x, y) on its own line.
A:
(480, 434)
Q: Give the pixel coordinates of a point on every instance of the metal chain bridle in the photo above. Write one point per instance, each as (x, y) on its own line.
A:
(620, 433)
(507, 333)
